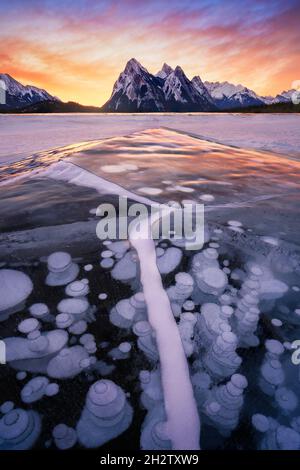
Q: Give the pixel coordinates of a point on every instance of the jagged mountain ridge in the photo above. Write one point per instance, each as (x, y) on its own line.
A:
(137, 90)
(170, 90)
(19, 96)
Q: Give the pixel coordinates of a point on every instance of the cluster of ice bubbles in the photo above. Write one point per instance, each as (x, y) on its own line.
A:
(218, 305)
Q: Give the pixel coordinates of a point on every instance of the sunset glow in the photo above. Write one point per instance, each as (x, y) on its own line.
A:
(76, 49)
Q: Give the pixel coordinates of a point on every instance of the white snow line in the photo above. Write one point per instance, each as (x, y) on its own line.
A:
(183, 422)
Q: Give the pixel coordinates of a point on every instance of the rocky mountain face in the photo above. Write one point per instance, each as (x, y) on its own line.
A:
(137, 90)
(14, 95)
(169, 90)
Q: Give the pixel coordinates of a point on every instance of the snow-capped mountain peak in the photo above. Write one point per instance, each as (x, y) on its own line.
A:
(170, 90)
(18, 95)
(133, 66)
(201, 88)
(165, 71)
(229, 96)
(136, 90)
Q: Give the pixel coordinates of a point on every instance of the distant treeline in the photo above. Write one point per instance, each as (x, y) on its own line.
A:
(270, 108)
(72, 107)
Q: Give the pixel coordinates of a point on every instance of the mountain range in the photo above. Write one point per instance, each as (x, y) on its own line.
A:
(19, 96)
(137, 90)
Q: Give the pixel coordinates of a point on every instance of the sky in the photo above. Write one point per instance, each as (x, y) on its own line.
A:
(75, 49)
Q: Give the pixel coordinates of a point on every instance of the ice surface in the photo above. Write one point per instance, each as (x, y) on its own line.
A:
(218, 330)
(260, 131)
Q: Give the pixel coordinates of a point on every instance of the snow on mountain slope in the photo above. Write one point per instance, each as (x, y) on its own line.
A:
(136, 90)
(284, 97)
(165, 71)
(229, 96)
(19, 96)
(201, 88)
(181, 94)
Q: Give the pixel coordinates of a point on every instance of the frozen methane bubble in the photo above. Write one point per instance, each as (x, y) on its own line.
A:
(286, 400)
(102, 296)
(126, 268)
(276, 322)
(230, 400)
(6, 407)
(207, 197)
(272, 289)
(21, 375)
(106, 414)
(188, 305)
(34, 390)
(275, 436)
(209, 278)
(64, 436)
(88, 267)
(40, 311)
(201, 384)
(234, 223)
(78, 328)
(272, 376)
(33, 354)
(52, 389)
(152, 393)
(183, 288)
(119, 247)
(139, 304)
(122, 315)
(186, 330)
(107, 263)
(77, 289)
(121, 352)
(64, 320)
(29, 325)
(169, 260)
(212, 321)
(15, 287)
(274, 349)
(19, 429)
(154, 434)
(221, 359)
(62, 270)
(260, 422)
(77, 307)
(68, 363)
(146, 341)
(106, 254)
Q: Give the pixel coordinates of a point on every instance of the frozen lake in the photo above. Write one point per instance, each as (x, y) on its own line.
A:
(21, 136)
(97, 333)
